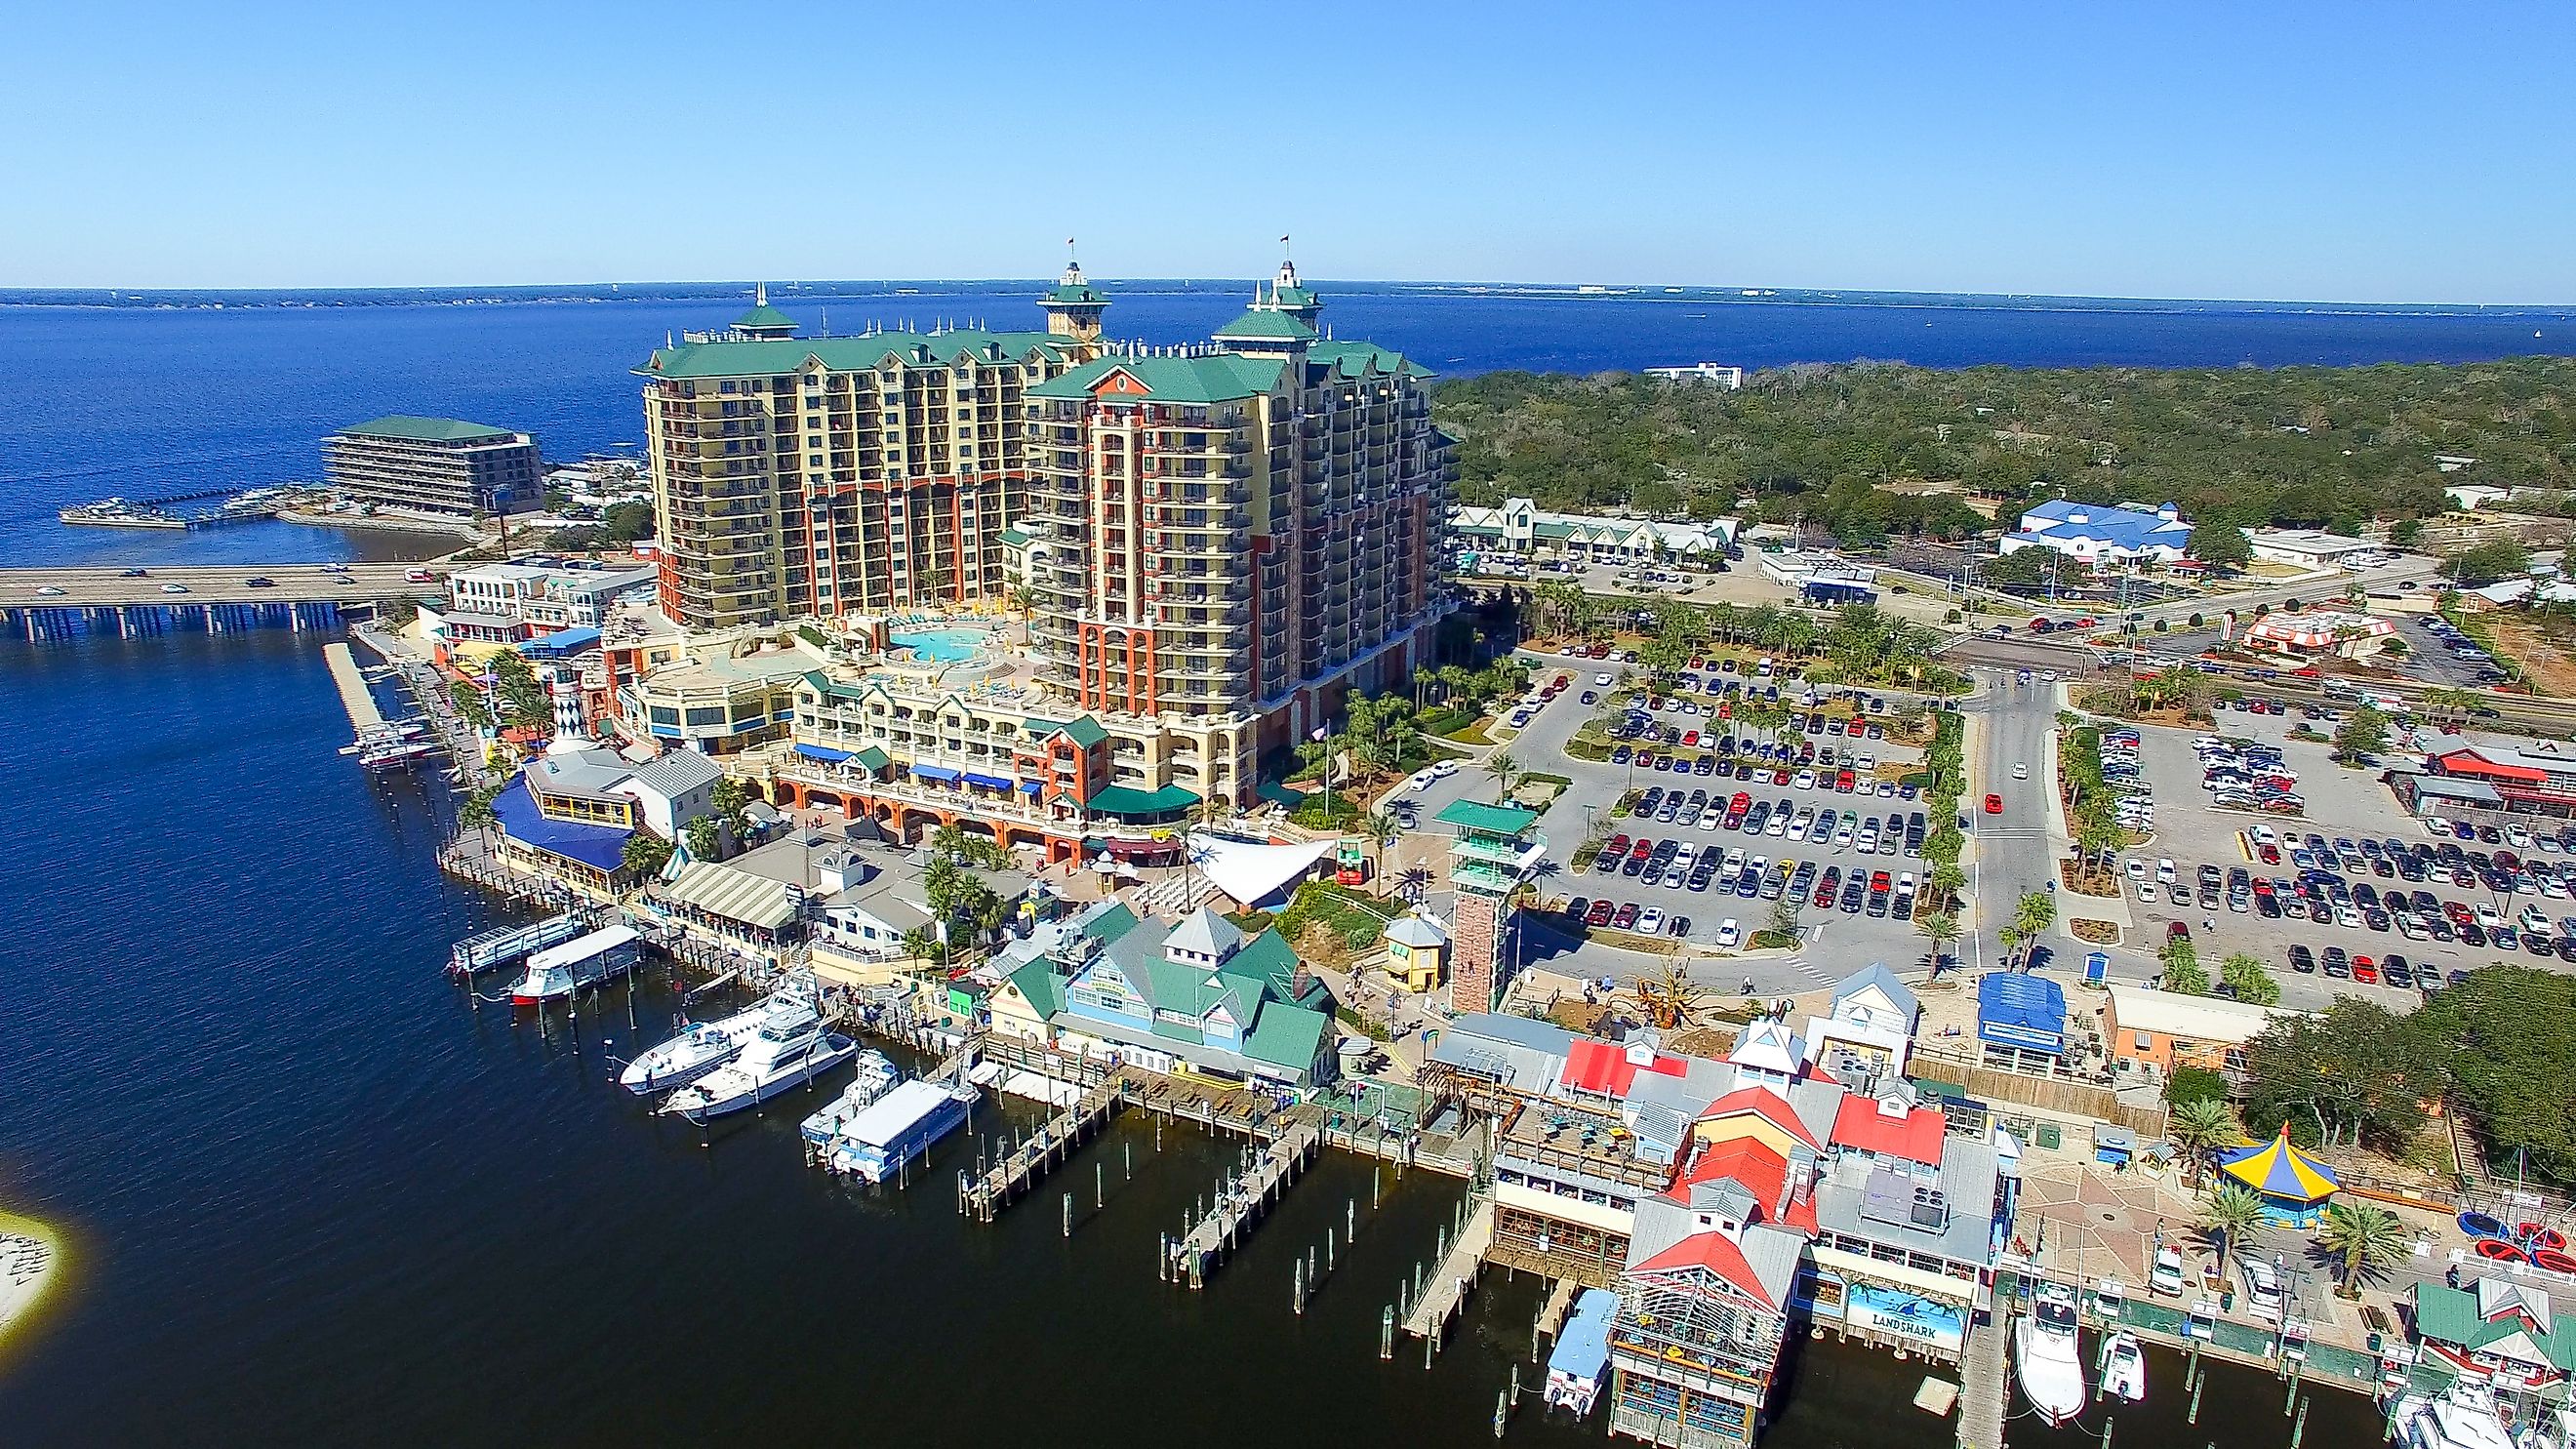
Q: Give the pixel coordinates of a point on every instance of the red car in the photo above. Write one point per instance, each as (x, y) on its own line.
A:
(2177, 931)
(1626, 917)
(1994, 803)
(1600, 914)
(2365, 970)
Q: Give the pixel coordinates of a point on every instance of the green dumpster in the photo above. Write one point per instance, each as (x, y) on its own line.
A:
(2048, 1135)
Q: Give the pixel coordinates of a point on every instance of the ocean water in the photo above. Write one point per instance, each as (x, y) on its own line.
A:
(149, 400)
(315, 1196)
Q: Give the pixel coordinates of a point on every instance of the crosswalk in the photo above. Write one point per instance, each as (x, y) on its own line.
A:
(1798, 962)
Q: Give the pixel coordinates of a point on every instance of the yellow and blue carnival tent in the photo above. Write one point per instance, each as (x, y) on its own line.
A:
(2294, 1186)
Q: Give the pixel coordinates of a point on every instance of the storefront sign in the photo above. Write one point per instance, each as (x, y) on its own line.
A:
(1905, 1315)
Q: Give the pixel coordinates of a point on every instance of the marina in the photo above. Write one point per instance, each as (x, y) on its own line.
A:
(210, 508)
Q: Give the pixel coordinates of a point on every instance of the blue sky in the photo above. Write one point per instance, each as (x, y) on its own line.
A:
(2337, 152)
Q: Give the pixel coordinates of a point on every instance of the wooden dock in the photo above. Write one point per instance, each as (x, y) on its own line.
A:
(1020, 1169)
(1242, 1200)
(1446, 1293)
(1983, 1387)
(354, 694)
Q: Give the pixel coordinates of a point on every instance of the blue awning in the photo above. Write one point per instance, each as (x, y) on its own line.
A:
(1032, 787)
(989, 782)
(819, 752)
(940, 773)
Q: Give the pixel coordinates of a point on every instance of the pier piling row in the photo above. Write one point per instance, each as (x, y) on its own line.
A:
(1048, 1149)
(1231, 1216)
(1446, 1293)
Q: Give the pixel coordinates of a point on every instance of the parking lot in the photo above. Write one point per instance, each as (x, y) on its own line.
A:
(2332, 903)
(1703, 891)
(2429, 657)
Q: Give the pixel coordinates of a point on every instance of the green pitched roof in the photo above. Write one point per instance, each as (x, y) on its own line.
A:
(1293, 296)
(1083, 295)
(1114, 921)
(1477, 815)
(1353, 358)
(1082, 730)
(873, 758)
(1014, 537)
(1286, 1036)
(762, 317)
(1038, 982)
(2450, 1315)
(769, 357)
(1268, 326)
(426, 430)
(1221, 377)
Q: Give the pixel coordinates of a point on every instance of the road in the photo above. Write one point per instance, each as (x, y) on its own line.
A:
(2015, 851)
(290, 584)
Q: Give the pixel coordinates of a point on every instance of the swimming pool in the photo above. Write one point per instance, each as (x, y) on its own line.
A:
(942, 646)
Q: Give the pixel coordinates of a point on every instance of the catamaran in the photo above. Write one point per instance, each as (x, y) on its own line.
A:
(790, 1048)
(2046, 1356)
(2124, 1367)
(877, 1076)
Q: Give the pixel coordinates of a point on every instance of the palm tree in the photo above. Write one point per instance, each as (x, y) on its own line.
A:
(1946, 881)
(1940, 928)
(2229, 1214)
(2034, 913)
(1507, 775)
(1024, 599)
(1381, 830)
(2365, 1236)
(2197, 1126)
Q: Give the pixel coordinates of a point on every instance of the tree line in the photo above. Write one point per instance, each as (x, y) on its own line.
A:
(1838, 446)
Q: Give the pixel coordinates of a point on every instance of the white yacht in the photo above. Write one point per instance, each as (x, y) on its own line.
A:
(2462, 1416)
(703, 1046)
(2046, 1355)
(2124, 1367)
(877, 1076)
(791, 1048)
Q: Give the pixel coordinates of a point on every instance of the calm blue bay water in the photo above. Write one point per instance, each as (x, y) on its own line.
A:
(144, 401)
(314, 1198)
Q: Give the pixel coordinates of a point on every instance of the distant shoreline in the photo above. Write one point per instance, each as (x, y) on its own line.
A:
(31, 1257)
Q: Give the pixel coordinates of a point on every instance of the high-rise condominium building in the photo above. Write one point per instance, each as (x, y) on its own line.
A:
(826, 475)
(1242, 530)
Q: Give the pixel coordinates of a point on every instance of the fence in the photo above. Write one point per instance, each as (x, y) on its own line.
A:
(2049, 1094)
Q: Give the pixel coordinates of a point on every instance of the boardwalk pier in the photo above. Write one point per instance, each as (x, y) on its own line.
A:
(1243, 1199)
(1020, 1168)
(1446, 1293)
(1982, 1389)
(359, 700)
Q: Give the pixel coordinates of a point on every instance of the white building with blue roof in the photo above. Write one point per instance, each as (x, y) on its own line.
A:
(2096, 533)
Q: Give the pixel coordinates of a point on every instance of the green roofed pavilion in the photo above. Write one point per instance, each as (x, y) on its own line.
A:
(1494, 819)
(1128, 802)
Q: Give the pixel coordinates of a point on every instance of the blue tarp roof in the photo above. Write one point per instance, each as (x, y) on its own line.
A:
(561, 642)
(2021, 1010)
(602, 847)
(824, 753)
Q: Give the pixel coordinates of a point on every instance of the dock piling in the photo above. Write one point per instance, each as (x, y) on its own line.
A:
(1386, 1333)
(1068, 1215)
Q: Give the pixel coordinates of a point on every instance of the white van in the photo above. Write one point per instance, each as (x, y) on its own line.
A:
(2262, 1288)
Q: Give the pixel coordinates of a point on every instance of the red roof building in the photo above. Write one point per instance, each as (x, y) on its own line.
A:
(1605, 1069)
(1912, 1134)
(2525, 778)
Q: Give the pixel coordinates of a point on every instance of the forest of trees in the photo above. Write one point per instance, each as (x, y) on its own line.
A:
(2309, 447)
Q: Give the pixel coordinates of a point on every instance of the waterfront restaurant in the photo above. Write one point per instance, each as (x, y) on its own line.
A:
(2496, 1330)
(1198, 999)
(2530, 781)
(2021, 1019)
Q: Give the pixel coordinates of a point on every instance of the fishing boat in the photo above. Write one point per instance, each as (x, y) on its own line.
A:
(2463, 1416)
(790, 1048)
(892, 1134)
(877, 1076)
(2046, 1356)
(703, 1046)
(590, 960)
(2124, 1367)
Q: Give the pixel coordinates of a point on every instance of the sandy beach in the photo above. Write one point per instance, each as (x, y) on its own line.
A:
(30, 1256)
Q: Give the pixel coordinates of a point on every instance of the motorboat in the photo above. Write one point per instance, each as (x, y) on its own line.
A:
(898, 1128)
(2124, 1367)
(877, 1076)
(2463, 1416)
(2046, 1355)
(790, 1048)
(703, 1046)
